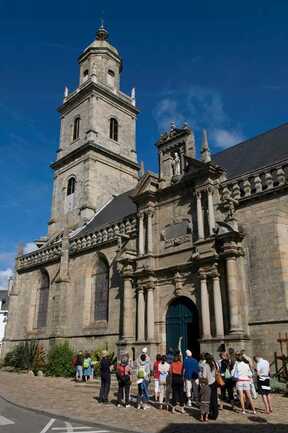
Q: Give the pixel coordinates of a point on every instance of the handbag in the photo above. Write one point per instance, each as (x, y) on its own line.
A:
(219, 379)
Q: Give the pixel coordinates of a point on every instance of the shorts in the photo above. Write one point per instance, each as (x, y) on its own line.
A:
(157, 386)
(243, 385)
(263, 386)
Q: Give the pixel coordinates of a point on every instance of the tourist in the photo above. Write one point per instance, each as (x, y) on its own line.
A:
(164, 369)
(87, 364)
(263, 382)
(143, 376)
(242, 374)
(191, 371)
(123, 374)
(105, 376)
(78, 364)
(176, 370)
(225, 371)
(208, 388)
(156, 375)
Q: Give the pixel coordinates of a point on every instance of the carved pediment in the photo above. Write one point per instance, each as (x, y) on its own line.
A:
(148, 183)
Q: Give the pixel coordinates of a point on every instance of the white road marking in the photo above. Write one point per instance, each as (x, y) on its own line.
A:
(74, 428)
(5, 421)
(47, 427)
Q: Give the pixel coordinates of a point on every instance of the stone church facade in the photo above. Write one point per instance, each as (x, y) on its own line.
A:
(198, 250)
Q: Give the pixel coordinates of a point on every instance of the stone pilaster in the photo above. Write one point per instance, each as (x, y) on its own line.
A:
(233, 293)
(149, 231)
(150, 312)
(127, 300)
(211, 215)
(141, 233)
(200, 222)
(218, 305)
(205, 311)
(140, 314)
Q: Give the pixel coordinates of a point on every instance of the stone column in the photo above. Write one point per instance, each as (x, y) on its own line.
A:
(141, 315)
(141, 233)
(200, 222)
(218, 306)
(127, 307)
(233, 292)
(205, 311)
(150, 313)
(149, 231)
(211, 215)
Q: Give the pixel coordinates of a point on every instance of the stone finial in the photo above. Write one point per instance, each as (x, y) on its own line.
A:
(66, 92)
(102, 34)
(205, 153)
(20, 249)
(133, 96)
(142, 169)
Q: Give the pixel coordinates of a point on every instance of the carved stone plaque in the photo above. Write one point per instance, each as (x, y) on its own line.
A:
(177, 232)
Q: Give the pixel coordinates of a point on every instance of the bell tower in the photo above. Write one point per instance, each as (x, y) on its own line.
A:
(96, 158)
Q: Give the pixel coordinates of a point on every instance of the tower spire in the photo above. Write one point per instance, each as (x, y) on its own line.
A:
(205, 152)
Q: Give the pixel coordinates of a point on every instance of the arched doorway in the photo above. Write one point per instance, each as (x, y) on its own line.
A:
(182, 321)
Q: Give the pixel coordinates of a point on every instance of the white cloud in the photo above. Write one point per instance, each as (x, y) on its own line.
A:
(29, 247)
(201, 108)
(4, 275)
(167, 111)
(223, 138)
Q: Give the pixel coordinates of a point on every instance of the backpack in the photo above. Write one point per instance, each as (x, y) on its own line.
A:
(86, 363)
(141, 373)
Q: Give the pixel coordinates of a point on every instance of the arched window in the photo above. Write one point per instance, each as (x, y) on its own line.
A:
(71, 186)
(114, 129)
(43, 298)
(76, 128)
(101, 290)
(111, 77)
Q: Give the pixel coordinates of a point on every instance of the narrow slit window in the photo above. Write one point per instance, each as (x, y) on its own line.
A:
(71, 186)
(76, 128)
(114, 129)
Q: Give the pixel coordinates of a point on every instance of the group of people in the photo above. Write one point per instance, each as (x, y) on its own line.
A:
(180, 381)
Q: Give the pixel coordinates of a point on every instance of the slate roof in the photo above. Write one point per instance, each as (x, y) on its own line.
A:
(260, 151)
(120, 207)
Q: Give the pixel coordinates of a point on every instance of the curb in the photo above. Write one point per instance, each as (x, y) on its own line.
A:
(67, 418)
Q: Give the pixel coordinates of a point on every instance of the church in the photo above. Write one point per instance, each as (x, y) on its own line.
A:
(198, 250)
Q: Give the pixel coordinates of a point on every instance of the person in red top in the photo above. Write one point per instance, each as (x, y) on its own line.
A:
(176, 371)
(156, 375)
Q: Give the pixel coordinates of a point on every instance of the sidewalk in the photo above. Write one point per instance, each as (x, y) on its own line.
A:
(64, 397)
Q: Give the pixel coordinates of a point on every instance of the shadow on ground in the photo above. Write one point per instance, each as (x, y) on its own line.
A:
(215, 427)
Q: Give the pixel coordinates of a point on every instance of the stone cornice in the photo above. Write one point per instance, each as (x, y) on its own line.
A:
(87, 88)
(90, 145)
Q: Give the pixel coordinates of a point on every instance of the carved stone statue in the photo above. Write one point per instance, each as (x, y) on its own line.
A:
(176, 165)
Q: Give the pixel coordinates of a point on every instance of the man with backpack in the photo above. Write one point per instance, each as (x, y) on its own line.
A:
(123, 374)
(143, 376)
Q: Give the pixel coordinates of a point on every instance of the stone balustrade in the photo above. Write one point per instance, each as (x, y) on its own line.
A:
(53, 252)
(261, 181)
(43, 255)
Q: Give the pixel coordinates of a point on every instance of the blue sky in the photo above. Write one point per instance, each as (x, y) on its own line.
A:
(217, 64)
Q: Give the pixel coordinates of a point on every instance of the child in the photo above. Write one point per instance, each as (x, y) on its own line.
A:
(124, 380)
(87, 364)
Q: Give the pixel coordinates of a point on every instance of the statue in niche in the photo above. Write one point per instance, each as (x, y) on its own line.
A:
(176, 165)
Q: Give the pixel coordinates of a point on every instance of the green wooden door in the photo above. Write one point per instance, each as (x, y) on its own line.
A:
(182, 321)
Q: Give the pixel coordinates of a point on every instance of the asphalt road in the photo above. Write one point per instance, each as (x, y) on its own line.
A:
(17, 420)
